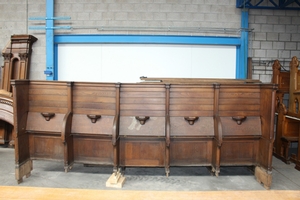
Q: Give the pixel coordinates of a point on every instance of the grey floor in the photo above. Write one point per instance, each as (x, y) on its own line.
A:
(51, 174)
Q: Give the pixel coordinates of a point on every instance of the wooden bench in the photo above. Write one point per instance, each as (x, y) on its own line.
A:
(293, 110)
(282, 79)
(145, 125)
(94, 129)
(287, 126)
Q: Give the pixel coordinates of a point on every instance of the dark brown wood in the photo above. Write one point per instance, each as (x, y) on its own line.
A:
(287, 127)
(250, 68)
(17, 55)
(293, 110)
(145, 125)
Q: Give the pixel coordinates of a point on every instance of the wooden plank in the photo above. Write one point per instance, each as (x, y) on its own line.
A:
(190, 94)
(138, 88)
(142, 107)
(129, 100)
(95, 105)
(47, 97)
(14, 192)
(153, 113)
(191, 101)
(48, 109)
(59, 104)
(52, 91)
(235, 101)
(239, 107)
(236, 94)
(191, 113)
(96, 93)
(191, 108)
(231, 113)
(143, 94)
(93, 111)
(91, 98)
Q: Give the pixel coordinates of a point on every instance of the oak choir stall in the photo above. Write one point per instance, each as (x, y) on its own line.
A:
(159, 122)
(287, 110)
(165, 123)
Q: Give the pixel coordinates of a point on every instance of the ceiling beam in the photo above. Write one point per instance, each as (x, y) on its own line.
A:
(269, 4)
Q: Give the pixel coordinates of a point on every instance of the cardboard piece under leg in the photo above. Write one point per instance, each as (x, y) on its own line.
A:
(115, 180)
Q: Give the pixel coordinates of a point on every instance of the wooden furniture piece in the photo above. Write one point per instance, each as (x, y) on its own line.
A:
(150, 124)
(94, 125)
(293, 111)
(16, 56)
(287, 126)
(143, 126)
(282, 79)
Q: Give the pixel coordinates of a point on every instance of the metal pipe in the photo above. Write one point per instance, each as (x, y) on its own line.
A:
(167, 29)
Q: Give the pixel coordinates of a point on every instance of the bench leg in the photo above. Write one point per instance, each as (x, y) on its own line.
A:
(215, 171)
(285, 151)
(68, 167)
(297, 165)
(263, 176)
(22, 170)
(167, 170)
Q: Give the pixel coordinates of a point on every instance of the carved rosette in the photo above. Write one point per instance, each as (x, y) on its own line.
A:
(23, 56)
(7, 56)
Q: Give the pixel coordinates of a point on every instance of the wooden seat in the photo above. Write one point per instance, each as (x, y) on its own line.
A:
(288, 116)
(294, 97)
(286, 144)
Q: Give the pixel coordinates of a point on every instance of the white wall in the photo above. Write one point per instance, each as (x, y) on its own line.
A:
(128, 62)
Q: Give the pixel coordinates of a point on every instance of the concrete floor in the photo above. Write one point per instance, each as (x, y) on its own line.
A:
(51, 174)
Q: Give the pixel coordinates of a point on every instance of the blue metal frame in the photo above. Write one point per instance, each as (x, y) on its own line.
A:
(275, 4)
(146, 39)
(49, 40)
(52, 42)
(55, 75)
(49, 27)
(243, 51)
(241, 64)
